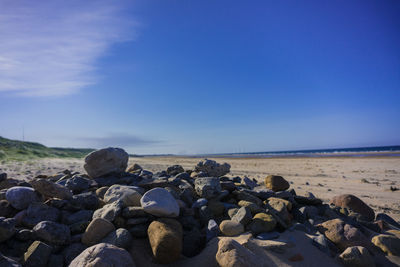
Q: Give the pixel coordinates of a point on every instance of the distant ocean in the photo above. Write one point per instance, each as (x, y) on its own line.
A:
(377, 151)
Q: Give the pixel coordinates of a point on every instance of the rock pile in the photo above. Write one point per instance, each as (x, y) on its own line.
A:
(199, 217)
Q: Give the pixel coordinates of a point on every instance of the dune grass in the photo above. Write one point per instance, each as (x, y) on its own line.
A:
(14, 150)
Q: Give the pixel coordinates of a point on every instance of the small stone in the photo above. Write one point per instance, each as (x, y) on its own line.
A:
(53, 233)
(165, 236)
(134, 168)
(103, 255)
(109, 211)
(262, 222)
(207, 187)
(49, 189)
(20, 197)
(106, 161)
(120, 238)
(101, 191)
(139, 230)
(357, 257)
(84, 201)
(96, 231)
(388, 244)
(232, 212)
(243, 216)
(212, 230)
(37, 254)
(276, 183)
(231, 228)
(77, 184)
(159, 202)
(174, 170)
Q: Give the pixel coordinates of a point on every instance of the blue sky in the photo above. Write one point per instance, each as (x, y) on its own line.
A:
(201, 76)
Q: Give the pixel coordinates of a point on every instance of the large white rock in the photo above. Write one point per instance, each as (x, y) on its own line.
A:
(127, 194)
(103, 255)
(105, 161)
(159, 202)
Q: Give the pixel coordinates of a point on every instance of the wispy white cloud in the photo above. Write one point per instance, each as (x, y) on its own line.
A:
(50, 47)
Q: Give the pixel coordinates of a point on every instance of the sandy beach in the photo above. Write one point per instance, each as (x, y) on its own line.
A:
(369, 178)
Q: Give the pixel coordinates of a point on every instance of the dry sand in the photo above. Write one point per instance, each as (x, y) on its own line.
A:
(324, 177)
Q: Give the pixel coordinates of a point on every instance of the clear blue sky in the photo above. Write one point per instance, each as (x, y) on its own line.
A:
(201, 76)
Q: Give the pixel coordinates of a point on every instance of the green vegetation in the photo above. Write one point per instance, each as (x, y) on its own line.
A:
(19, 150)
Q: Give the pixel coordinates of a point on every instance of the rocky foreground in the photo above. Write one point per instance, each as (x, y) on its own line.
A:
(119, 216)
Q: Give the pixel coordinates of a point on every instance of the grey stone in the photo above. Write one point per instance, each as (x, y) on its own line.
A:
(105, 161)
(132, 212)
(120, 238)
(109, 211)
(54, 233)
(82, 215)
(212, 168)
(207, 187)
(38, 212)
(21, 196)
(72, 251)
(129, 195)
(49, 189)
(159, 202)
(77, 183)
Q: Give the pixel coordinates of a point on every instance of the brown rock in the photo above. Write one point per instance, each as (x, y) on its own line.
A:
(96, 231)
(354, 203)
(342, 234)
(232, 254)
(276, 183)
(165, 236)
(50, 189)
(231, 228)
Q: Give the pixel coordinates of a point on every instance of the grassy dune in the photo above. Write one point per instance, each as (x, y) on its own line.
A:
(19, 150)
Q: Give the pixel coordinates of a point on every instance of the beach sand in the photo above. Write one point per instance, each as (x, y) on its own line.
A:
(369, 178)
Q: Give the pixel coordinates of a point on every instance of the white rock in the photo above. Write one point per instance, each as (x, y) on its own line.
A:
(159, 202)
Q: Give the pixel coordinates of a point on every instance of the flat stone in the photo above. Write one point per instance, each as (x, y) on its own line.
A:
(49, 189)
(159, 202)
